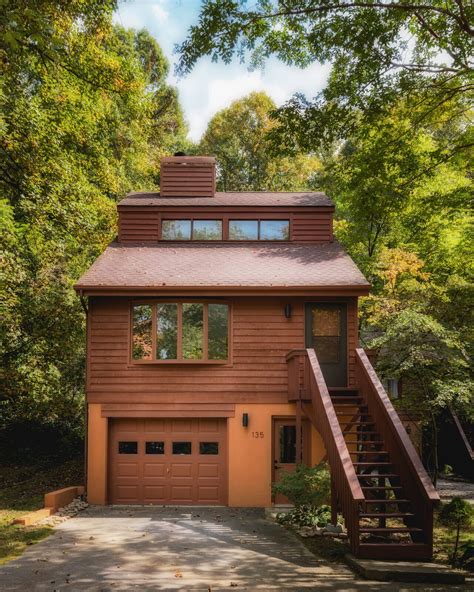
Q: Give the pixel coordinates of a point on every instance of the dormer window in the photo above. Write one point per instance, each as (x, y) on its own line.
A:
(264, 230)
(198, 230)
(217, 230)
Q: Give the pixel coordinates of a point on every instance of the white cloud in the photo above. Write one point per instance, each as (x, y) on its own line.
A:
(160, 12)
(211, 86)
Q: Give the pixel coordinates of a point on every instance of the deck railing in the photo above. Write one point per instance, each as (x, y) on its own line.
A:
(402, 453)
(306, 382)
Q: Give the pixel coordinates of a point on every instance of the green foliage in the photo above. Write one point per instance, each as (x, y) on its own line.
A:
(458, 514)
(373, 63)
(237, 136)
(306, 516)
(85, 116)
(306, 486)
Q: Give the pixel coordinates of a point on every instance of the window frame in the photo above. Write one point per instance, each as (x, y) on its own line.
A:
(180, 360)
(225, 219)
(191, 220)
(259, 220)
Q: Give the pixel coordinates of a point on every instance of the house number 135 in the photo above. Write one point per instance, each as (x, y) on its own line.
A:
(257, 434)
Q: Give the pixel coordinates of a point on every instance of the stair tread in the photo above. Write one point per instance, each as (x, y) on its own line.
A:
(386, 514)
(372, 487)
(387, 501)
(389, 530)
(348, 405)
(378, 476)
(357, 423)
(372, 463)
(368, 452)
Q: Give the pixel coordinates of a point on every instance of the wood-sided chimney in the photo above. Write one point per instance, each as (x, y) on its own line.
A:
(188, 176)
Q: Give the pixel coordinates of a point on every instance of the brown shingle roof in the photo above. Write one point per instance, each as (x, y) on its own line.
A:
(223, 266)
(229, 198)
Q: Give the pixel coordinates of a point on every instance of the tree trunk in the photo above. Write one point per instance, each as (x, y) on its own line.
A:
(434, 441)
(456, 544)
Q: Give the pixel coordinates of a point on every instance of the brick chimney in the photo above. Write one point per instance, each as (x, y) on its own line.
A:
(188, 176)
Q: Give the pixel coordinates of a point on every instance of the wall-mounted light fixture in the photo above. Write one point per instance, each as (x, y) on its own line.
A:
(245, 420)
(288, 311)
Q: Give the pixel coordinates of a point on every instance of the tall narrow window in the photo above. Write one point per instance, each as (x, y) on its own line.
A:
(166, 331)
(327, 333)
(193, 322)
(218, 331)
(142, 332)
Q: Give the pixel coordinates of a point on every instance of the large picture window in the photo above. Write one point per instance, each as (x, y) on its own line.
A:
(184, 332)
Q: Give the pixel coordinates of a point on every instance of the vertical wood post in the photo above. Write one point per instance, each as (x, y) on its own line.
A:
(299, 448)
(333, 501)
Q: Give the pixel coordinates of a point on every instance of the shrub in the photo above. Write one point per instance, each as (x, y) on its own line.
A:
(306, 516)
(307, 486)
(457, 514)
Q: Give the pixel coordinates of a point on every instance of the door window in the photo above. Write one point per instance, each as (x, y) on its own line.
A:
(326, 332)
(287, 443)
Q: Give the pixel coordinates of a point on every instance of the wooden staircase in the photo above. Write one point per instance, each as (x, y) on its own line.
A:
(378, 482)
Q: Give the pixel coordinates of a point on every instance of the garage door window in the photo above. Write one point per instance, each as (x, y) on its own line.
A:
(128, 447)
(208, 447)
(184, 332)
(155, 448)
(181, 447)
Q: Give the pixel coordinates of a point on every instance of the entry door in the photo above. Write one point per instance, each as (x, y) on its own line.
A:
(284, 450)
(326, 332)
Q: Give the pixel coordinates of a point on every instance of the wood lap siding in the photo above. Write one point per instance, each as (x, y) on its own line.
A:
(312, 227)
(352, 340)
(138, 224)
(141, 224)
(261, 338)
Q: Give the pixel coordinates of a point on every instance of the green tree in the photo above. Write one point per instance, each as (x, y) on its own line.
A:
(458, 513)
(379, 52)
(85, 114)
(238, 137)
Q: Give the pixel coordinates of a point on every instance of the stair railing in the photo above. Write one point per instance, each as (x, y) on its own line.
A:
(344, 480)
(403, 455)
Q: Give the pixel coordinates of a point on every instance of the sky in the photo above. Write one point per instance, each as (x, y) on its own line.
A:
(211, 87)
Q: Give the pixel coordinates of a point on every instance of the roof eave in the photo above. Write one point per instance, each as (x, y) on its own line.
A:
(343, 290)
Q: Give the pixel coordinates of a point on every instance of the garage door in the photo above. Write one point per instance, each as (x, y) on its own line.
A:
(168, 461)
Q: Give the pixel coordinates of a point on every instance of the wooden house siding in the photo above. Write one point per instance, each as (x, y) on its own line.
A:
(261, 337)
(312, 227)
(143, 224)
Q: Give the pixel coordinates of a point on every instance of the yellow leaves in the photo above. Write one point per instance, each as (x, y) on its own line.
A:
(397, 263)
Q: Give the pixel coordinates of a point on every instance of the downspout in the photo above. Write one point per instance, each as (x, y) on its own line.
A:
(86, 411)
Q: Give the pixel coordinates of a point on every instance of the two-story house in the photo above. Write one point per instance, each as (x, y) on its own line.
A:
(222, 349)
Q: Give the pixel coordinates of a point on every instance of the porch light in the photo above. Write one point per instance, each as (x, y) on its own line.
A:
(288, 311)
(245, 420)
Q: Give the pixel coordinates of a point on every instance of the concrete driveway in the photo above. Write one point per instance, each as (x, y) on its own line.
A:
(152, 548)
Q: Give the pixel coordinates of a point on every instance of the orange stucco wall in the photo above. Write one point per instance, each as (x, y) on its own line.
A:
(250, 457)
(97, 456)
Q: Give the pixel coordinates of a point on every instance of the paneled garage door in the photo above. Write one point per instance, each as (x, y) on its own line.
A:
(168, 461)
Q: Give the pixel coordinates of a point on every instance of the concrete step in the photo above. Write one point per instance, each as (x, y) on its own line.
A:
(405, 571)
